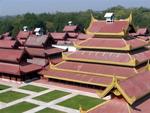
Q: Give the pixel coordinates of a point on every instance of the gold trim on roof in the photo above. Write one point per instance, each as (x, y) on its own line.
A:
(132, 62)
(125, 48)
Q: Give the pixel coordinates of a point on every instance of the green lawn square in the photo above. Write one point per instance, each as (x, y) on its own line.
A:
(10, 96)
(2, 87)
(47, 97)
(84, 101)
(33, 88)
(18, 108)
(49, 110)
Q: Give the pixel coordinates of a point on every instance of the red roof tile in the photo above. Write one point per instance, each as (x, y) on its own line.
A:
(113, 106)
(8, 44)
(30, 68)
(70, 28)
(52, 51)
(58, 36)
(82, 36)
(38, 61)
(16, 69)
(41, 52)
(78, 77)
(120, 72)
(11, 55)
(36, 52)
(23, 34)
(37, 41)
(73, 35)
(107, 43)
(142, 106)
(137, 86)
(109, 57)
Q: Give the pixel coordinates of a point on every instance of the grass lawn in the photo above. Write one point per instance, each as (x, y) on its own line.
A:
(49, 110)
(84, 101)
(47, 97)
(18, 108)
(33, 88)
(10, 96)
(2, 87)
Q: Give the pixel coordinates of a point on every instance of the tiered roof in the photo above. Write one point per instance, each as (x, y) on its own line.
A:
(13, 61)
(111, 59)
(39, 47)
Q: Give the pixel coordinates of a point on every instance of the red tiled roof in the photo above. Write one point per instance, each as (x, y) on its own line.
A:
(108, 27)
(100, 69)
(106, 43)
(16, 69)
(113, 106)
(9, 44)
(142, 106)
(136, 86)
(11, 55)
(36, 41)
(51, 51)
(78, 77)
(41, 52)
(108, 57)
(38, 61)
(23, 34)
(56, 60)
(58, 36)
(30, 68)
(70, 28)
(36, 52)
(72, 35)
(82, 36)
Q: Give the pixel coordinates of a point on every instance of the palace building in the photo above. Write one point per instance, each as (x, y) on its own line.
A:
(110, 59)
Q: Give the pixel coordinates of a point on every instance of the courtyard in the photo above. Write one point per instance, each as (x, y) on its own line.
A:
(44, 98)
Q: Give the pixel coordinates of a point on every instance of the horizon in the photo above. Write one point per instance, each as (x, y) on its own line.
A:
(17, 7)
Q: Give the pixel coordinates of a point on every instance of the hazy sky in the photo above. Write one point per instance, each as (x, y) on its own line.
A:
(13, 7)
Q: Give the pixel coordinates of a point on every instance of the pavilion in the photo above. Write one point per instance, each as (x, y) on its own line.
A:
(112, 60)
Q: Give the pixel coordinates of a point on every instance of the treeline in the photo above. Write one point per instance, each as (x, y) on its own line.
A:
(56, 22)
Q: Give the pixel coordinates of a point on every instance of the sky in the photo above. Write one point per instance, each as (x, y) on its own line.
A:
(14, 7)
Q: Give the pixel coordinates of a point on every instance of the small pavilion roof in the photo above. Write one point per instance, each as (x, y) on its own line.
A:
(17, 69)
(37, 41)
(117, 28)
(9, 44)
(41, 52)
(97, 69)
(23, 34)
(58, 35)
(70, 28)
(111, 44)
(125, 59)
(11, 55)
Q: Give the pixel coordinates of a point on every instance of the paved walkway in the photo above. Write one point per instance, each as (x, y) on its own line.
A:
(53, 104)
